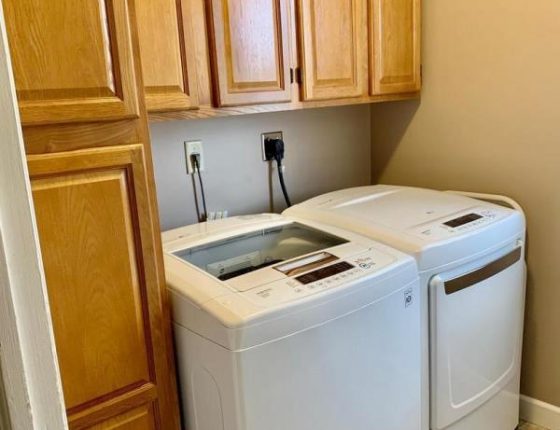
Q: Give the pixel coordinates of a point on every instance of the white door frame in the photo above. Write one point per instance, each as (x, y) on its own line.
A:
(28, 360)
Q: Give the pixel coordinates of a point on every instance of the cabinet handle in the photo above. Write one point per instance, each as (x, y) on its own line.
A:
(295, 75)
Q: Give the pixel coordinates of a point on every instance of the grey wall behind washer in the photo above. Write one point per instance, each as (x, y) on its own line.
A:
(326, 149)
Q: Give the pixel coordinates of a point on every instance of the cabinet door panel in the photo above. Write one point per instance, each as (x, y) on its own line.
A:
(167, 54)
(94, 222)
(395, 45)
(333, 41)
(72, 60)
(250, 47)
(88, 243)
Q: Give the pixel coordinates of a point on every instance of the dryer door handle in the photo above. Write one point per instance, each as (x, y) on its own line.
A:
(493, 268)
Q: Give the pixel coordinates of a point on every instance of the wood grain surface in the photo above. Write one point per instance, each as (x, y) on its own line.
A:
(77, 62)
(333, 48)
(167, 55)
(249, 51)
(94, 221)
(395, 46)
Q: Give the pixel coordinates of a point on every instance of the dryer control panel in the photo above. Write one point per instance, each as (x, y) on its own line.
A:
(337, 274)
(466, 221)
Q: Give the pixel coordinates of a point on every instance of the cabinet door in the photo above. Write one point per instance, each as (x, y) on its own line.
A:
(333, 42)
(167, 55)
(94, 222)
(72, 60)
(395, 46)
(250, 51)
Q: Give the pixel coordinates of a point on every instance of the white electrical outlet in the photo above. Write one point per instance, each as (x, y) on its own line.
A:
(193, 147)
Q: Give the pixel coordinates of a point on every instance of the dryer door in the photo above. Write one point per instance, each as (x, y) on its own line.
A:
(476, 330)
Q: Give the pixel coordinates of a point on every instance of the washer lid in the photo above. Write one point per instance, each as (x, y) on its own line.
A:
(231, 258)
(417, 221)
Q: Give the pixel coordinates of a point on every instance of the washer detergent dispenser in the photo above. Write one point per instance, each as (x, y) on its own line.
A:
(282, 325)
(470, 254)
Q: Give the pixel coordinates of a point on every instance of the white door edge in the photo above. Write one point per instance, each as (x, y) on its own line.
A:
(30, 374)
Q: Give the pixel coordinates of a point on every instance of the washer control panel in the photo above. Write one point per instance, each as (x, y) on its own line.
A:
(324, 272)
(333, 275)
(469, 220)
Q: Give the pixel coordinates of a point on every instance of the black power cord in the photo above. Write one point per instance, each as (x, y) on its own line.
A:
(274, 150)
(195, 160)
(282, 183)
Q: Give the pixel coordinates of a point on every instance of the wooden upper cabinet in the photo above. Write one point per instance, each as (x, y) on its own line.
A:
(72, 60)
(333, 48)
(105, 294)
(167, 54)
(250, 51)
(395, 46)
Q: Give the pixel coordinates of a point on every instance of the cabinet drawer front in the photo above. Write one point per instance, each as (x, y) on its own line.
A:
(333, 40)
(167, 53)
(250, 48)
(72, 60)
(395, 46)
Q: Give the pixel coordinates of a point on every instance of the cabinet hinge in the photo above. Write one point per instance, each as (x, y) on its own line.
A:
(295, 75)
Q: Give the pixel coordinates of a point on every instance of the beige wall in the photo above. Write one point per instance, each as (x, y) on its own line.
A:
(326, 149)
(4, 415)
(489, 121)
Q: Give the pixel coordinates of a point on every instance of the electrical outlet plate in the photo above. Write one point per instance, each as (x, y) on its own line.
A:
(194, 147)
(271, 135)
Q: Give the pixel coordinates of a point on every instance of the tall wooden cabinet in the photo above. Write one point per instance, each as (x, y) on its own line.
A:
(395, 46)
(250, 51)
(81, 96)
(333, 48)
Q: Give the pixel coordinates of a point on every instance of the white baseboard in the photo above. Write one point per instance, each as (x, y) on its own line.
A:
(539, 413)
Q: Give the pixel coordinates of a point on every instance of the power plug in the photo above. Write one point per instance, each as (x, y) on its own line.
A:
(267, 137)
(273, 149)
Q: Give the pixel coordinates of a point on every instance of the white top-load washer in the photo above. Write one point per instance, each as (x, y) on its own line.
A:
(470, 253)
(282, 325)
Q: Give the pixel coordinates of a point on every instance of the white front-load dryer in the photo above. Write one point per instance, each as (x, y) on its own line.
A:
(282, 325)
(470, 253)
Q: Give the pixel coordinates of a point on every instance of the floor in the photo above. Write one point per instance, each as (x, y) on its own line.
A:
(528, 426)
